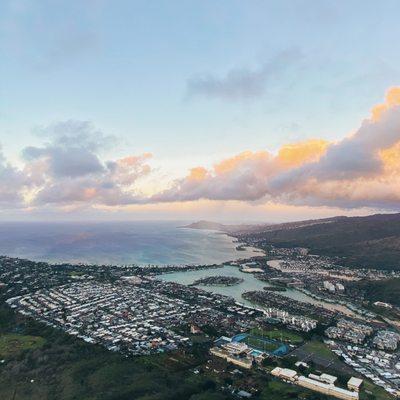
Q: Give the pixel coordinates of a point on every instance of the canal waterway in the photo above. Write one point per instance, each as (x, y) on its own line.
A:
(249, 283)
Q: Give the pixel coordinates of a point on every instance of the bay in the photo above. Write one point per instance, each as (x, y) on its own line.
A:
(139, 242)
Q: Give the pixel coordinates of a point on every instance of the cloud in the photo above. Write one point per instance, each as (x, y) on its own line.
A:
(72, 132)
(243, 83)
(13, 183)
(71, 150)
(47, 35)
(66, 162)
(242, 177)
(357, 156)
(361, 170)
(68, 168)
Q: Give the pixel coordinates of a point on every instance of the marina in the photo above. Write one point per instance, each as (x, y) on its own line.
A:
(249, 283)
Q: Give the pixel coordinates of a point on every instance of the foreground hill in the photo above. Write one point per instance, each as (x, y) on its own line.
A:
(372, 241)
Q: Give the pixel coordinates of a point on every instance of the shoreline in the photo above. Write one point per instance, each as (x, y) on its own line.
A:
(137, 247)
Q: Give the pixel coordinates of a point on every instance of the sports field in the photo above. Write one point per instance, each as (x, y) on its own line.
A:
(282, 335)
(261, 344)
(11, 344)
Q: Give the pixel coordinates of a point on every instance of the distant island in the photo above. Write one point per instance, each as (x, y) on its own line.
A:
(207, 225)
(217, 280)
(216, 226)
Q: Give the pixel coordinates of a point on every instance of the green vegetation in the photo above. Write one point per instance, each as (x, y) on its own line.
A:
(77, 273)
(261, 344)
(44, 363)
(52, 365)
(330, 363)
(282, 335)
(373, 392)
(319, 349)
(362, 241)
(12, 344)
(277, 390)
(385, 290)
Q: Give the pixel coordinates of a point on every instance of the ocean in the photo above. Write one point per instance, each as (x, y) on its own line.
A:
(147, 242)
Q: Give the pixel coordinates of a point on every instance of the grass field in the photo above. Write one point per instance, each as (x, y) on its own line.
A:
(261, 344)
(371, 391)
(283, 335)
(277, 390)
(319, 349)
(11, 344)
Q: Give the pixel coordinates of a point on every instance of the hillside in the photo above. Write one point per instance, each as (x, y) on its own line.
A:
(384, 290)
(372, 241)
(283, 226)
(257, 228)
(216, 226)
(207, 225)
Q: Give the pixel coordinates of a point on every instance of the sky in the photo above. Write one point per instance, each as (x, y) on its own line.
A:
(230, 110)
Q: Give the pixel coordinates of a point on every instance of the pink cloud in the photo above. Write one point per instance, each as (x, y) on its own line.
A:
(353, 172)
(361, 170)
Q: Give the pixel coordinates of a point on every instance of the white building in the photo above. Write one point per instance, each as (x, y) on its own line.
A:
(329, 286)
(323, 383)
(354, 384)
(285, 374)
(339, 287)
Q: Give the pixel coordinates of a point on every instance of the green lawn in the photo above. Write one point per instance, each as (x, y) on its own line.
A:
(199, 339)
(76, 273)
(278, 390)
(320, 349)
(371, 391)
(11, 344)
(261, 344)
(283, 335)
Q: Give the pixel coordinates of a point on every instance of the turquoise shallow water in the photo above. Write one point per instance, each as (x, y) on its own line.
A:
(117, 243)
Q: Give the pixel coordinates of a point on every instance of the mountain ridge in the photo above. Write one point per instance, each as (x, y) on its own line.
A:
(368, 241)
